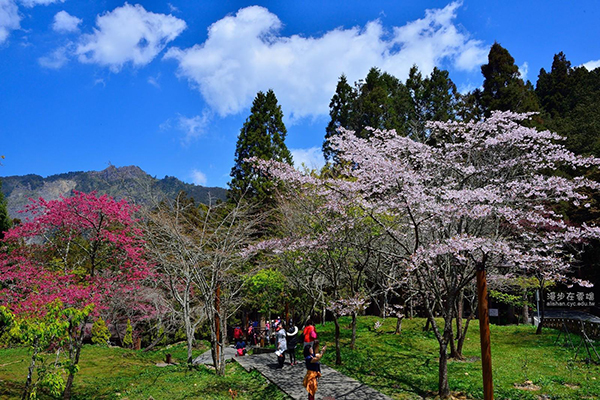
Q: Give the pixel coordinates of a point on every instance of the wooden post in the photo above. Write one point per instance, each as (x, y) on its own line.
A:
(217, 319)
(484, 333)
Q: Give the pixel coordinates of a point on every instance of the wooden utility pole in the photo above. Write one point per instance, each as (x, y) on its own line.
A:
(484, 333)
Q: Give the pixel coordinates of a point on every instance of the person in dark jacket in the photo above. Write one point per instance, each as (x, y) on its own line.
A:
(292, 341)
(312, 358)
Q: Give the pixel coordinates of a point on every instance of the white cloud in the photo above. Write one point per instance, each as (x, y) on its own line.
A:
(56, 59)
(591, 65)
(192, 127)
(468, 87)
(128, 34)
(65, 22)
(524, 70)
(172, 8)
(154, 81)
(9, 18)
(198, 177)
(311, 158)
(33, 3)
(244, 53)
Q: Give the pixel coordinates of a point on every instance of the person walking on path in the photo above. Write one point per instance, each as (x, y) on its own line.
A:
(281, 344)
(312, 358)
(292, 341)
(309, 333)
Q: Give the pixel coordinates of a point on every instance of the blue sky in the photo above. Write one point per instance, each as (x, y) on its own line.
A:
(167, 85)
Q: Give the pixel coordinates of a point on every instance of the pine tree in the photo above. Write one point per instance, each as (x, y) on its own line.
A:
(503, 88)
(554, 88)
(340, 111)
(434, 98)
(262, 136)
(380, 101)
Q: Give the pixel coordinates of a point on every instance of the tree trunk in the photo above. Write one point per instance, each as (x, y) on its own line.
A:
(444, 388)
(525, 311)
(456, 347)
(30, 372)
(398, 325)
(74, 361)
(189, 332)
(542, 311)
(461, 340)
(153, 344)
(222, 344)
(353, 340)
(453, 352)
(426, 327)
(338, 355)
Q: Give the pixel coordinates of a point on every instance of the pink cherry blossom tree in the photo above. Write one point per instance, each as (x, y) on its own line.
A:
(78, 250)
(477, 196)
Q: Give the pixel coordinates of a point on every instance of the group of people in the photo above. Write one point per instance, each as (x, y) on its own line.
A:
(286, 340)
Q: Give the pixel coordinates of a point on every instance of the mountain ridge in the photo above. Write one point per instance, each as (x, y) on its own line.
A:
(129, 182)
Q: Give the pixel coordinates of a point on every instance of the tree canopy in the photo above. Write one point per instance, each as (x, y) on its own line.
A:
(262, 136)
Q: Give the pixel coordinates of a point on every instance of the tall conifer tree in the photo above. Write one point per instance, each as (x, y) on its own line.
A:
(503, 88)
(262, 136)
(340, 111)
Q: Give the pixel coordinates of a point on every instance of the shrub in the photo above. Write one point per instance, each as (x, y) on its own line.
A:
(100, 333)
(128, 338)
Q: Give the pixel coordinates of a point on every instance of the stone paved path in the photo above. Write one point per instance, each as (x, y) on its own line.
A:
(332, 385)
(206, 357)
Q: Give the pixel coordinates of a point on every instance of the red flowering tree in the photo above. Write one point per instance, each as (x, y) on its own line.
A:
(80, 251)
(479, 195)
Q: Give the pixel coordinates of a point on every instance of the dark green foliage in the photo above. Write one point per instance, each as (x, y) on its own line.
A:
(5, 221)
(503, 88)
(555, 89)
(433, 98)
(340, 111)
(570, 98)
(262, 136)
(382, 101)
(469, 107)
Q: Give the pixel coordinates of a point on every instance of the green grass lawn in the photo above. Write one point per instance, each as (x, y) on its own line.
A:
(401, 366)
(405, 366)
(115, 373)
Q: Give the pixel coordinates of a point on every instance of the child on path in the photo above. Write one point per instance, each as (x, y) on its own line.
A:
(312, 358)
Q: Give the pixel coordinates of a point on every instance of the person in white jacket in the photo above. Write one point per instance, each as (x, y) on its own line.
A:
(281, 341)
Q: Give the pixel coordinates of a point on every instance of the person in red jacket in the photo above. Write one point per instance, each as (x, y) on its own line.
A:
(309, 333)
